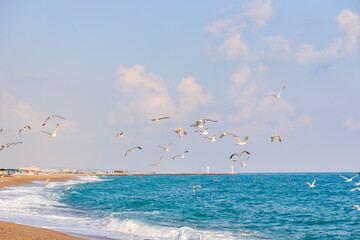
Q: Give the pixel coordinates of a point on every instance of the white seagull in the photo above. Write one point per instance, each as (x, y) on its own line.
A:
(211, 139)
(275, 136)
(180, 131)
(357, 184)
(203, 131)
(157, 164)
(166, 149)
(227, 133)
(311, 184)
(200, 123)
(46, 181)
(132, 149)
(357, 206)
(9, 145)
(357, 188)
(193, 188)
(54, 133)
(159, 119)
(241, 142)
(23, 129)
(277, 96)
(349, 179)
(67, 189)
(242, 164)
(120, 134)
(181, 156)
(239, 155)
(50, 117)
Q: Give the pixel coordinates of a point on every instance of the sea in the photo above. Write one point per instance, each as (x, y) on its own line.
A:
(241, 206)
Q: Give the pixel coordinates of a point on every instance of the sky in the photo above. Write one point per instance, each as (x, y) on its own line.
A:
(110, 67)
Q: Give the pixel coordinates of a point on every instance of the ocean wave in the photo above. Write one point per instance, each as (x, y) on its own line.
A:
(148, 231)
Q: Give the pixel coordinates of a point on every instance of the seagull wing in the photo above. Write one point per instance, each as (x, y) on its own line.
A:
(308, 183)
(233, 155)
(57, 127)
(280, 92)
(314, 182)
(47, 119)
(59, 116)
(344, 177)
(47, 133)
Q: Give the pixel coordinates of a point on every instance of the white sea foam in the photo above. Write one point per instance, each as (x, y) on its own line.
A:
(144, 230)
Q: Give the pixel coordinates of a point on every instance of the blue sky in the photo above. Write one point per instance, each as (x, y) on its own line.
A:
(112, 67)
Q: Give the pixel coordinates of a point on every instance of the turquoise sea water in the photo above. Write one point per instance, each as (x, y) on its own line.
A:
(246, 206)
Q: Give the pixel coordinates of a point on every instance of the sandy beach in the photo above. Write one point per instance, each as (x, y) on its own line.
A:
(12, 231)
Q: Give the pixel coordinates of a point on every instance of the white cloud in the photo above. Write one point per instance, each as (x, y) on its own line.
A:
(277, 43)
(191, 95)
(260, 115)
(239, 78)
(234, 47)
(261, 68)
(254, 14)
(349, 23)
(351, 124)
(144, 95)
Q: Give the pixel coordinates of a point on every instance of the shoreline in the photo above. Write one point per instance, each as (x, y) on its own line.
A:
(15, 231)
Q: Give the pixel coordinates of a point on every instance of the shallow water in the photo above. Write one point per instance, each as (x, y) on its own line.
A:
(246, 206)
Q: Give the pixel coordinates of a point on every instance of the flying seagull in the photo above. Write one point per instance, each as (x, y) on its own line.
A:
(242, 164)
(211, 139)
(357, 206)
(311, 184)
(54, 133)
(275, 136)
(277, 96)
(227, 133)
(200, 123)
(159, 119)
(132, 149)
(166, 149)
(46, 181)
(349, 179)
(180, 131)
(23, 129)
(357, 184)
(203, 131)
(50, 117)
(67, 189)
(239, 155)
(9, 145)
(241, 142)
(181, 156)
(157, 164)
(193, 188)
(121, 134)
(357, 188)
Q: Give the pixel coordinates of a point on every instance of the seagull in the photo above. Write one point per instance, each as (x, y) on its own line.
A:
(193, 188)
(166, 149)
(275, 136)
(181, 156)
(227, 133)
(242, 164)
(241, 142)
(159, 119)
(357, 206)
(211, 139)
(23, 129)
(312, 184)
(357, 188)
(357, 184)
(9, 145)
(203, 132)
(200, 123)
(46, 181)
(180, 131)
(121, 134)
(68, 188)
(349, 179)
(277, 96)
(52, 116)
(157, 164)
(132, 149)
(54, 133)
(239, 155)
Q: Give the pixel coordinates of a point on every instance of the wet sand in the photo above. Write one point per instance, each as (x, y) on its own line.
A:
(13, 231)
